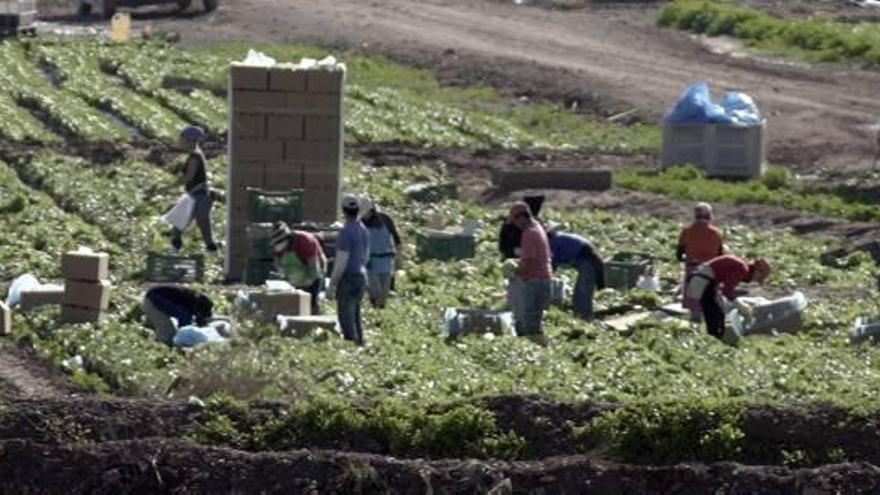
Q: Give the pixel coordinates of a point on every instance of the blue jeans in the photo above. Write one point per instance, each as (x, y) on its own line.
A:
(535, 297)
(584, 289)
(349, 294)
(314, 289)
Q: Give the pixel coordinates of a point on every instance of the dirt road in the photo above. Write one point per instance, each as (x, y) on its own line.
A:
(607, 59)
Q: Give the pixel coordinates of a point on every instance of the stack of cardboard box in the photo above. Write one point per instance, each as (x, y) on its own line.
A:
(86, 286)
(285, 133)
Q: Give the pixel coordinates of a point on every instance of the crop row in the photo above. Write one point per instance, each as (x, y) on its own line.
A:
(27, 85)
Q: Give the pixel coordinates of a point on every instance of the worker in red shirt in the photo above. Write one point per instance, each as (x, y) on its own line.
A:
(698, 243)
(720, 277)
(301, 258)
(533, 272)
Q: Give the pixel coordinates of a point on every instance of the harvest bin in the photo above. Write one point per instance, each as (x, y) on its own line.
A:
(168, 268)
(623, 270)
(439, 245)
(275, 206)
(723, 151)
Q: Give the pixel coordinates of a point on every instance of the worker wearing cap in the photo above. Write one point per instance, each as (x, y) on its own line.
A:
(715, 284)
(698, 243)
(570, 250)
(384, 250)
(534, 272)
(349, 279)
(509, 238)
(301, 258)
(195, 180)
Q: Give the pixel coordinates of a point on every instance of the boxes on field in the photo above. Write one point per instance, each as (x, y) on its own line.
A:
(443, 245)
(257, 149)
(257, 101)
(312, 151)
(287, 127)
(176, 268)
(724, 151)
(43, 295)
(312, 104)
(75, 314)
(285, 77)
(324, 81)
(249, 125)
(249, 77)
(284, 175)
(5, 319)
(275, 206)
(321, 128)
(623, 270)
(302, 326)
(85, 265)
(270, 305)
(260, 240)
(258, 270)
(87, 295)
(458, 322)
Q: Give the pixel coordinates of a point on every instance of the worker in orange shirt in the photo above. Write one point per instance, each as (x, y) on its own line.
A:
(698, 243)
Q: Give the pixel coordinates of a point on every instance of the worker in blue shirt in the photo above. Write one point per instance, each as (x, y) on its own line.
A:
(570, 250)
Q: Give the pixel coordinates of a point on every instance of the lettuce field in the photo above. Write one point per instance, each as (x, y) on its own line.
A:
(65, 102)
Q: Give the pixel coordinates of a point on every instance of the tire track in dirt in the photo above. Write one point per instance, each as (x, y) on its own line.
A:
(23, 376)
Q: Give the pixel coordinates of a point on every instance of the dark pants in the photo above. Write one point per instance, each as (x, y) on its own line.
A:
(712, 311)
(314, 289)
(349, 295)
(202, 215)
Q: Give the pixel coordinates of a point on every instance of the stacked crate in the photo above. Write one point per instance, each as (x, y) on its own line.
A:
(285, 134)
(86, 286)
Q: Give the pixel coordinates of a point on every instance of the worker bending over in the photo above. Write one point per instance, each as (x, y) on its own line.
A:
(195, 180)
(299, 255)
(698, 243)
(349, 279)
(715, 283)
(185, 306)
(384, 251)
(570, 250)
(533, 272)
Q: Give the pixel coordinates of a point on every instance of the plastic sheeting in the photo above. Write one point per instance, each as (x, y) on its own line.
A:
(696, 106)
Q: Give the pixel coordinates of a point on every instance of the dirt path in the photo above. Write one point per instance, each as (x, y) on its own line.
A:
(606, 58)
(24, 376)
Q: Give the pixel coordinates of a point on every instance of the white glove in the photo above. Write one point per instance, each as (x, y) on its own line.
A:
(331, 291)
(744, 309)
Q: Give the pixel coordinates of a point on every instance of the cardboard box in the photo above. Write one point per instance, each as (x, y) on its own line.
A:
(284, 175)
(286, 78)
(246, 174)
(301, 326)
(287, 303)
(324, 81)
(312, 151)
(258, 101)
(320, 214)
(5, 319)
(312, 104)
(87, 295)
(85, 265)
(249, 77)
(257, 150)
(321, 180)
(74, 314)
(323, 129)
(42, 296)
(311, 167)
(285, 127)
(248, 125)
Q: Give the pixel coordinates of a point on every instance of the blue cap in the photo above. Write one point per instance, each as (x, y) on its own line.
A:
(193, 133)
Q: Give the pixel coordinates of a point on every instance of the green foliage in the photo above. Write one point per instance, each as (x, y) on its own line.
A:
(818, 39)
(670, 432)
(774, 188)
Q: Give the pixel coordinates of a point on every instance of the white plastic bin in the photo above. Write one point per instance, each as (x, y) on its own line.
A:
(784, 315)
(723, 151)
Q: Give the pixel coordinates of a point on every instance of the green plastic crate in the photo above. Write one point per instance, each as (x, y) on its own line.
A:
(260, 240)
(275, 206)
(623, 270)
(258, 270)
(436, 245)
(174, 268)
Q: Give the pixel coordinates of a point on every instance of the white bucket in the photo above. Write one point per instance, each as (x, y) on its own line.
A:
(784, 315)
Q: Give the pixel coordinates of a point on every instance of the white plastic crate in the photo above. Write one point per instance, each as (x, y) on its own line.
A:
(723, 151)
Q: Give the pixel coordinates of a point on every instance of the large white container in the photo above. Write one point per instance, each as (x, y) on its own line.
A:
(784, 315)
(723, 151)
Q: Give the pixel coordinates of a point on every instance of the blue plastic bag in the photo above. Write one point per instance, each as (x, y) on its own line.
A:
(23, 283)
(741, 109)
(696, 107)
(191, 335)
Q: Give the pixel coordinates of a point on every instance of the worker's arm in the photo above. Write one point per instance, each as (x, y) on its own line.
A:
(189, 172)
(338, 269)
(679, 252)
(392, 229)
(526, 265)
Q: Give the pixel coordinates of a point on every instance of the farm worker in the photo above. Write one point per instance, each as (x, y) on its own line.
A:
(509, 237)
(715, 283)
(349, 279)
(185, 306)
(384, 250)
(301, 258)
(570, 250)
(533, 272)
(698, 243)
(195, 180)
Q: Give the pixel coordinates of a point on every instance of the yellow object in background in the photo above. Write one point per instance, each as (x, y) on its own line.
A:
(120, 27)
